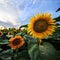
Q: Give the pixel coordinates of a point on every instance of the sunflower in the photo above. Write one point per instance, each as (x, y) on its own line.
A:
(5, 30)
(41, 25)
(16, 42)
(1, 33)
(13, 28)
(14, 32)
(18, 30)
(9, 33)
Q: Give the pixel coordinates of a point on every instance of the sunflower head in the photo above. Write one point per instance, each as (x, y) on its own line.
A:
(9, 33)
(16, 42)
(13, 28)
(41, 25)
(14, 32)
(18, 30)
(5, 30)
(1, 33)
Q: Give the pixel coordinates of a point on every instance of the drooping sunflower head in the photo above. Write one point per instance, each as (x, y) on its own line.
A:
(1, 33)
(16, 42)
(41, 25)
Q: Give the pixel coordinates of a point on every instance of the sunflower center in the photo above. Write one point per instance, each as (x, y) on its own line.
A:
(16, 41)
(0, 33)
(40, 26)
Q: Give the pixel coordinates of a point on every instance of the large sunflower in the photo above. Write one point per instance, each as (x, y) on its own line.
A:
(41, 25)
(16, 42)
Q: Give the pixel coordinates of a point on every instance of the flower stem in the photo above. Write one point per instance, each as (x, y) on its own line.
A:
(17, 51)
(40, 42)
(12, 57)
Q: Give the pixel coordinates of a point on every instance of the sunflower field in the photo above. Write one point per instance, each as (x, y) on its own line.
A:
(38, 40)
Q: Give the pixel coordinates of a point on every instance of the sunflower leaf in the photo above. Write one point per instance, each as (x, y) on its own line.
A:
(0, 49)
(4, 42)
(42, 52)
(57, 18)
(47, 51)
(6, 55)
(23, 55)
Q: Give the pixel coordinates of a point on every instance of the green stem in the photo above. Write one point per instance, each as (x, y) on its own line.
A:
(12, 57)
(17, 52)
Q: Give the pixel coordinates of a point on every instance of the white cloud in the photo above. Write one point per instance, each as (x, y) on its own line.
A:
(9, 13)
(15, 11)
(1, 27)
(7, 17)
(1, 1)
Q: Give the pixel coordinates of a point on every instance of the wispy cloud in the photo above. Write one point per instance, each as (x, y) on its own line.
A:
(8, 13)
(13, 11)
(18, 12)
(8, 17)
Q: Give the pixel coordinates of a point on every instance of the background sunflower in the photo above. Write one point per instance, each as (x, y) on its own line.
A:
(16, 42)
(1, 33)
(9, 33)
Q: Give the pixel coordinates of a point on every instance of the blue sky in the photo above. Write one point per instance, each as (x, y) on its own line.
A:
(14, 13)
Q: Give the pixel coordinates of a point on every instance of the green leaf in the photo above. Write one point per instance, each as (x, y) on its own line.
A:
(9, 58)
(23, 55)
(0, 49)
(30, 40)
(9, 36)
(6, 55)
(57, 19)
(24, 32)
(32, 51)
(4, 42)
(58, 10)
(42, 52)
(58, 55)
(47, 51)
